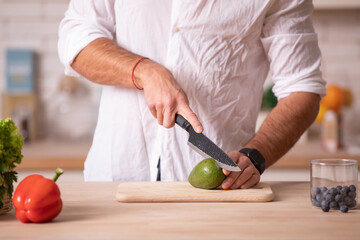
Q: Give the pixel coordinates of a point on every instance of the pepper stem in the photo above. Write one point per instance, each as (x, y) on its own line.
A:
(58, 172)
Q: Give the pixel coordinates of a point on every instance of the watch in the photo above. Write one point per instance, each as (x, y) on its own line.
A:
(255, 157)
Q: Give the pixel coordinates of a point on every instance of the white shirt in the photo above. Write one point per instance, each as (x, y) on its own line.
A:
(218, 51)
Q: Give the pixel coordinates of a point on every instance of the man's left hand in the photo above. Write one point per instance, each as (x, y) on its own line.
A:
(247, 177)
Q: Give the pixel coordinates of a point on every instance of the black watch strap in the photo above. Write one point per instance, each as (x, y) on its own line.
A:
(255, 157)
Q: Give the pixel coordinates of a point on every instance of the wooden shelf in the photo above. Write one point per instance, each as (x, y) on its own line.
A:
(302, 153)
(336, 4)
(52, 154)
(47, 155)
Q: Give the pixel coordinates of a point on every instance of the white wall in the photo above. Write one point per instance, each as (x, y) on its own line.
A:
(34, 25)
(339, 40)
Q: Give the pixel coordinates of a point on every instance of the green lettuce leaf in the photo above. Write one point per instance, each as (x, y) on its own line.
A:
(11, 143)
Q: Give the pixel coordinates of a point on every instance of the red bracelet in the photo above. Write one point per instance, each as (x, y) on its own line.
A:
(132, 72)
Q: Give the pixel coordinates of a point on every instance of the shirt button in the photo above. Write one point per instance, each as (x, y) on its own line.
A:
(176, 29)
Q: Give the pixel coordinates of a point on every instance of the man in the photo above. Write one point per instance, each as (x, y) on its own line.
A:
(206, 60)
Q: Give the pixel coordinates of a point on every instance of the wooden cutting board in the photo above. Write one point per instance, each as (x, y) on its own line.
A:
(184, 192)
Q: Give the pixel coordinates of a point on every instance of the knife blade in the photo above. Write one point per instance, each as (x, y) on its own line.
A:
(205, 147)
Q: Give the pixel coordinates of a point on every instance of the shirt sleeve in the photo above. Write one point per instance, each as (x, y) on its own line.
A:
(84, 21)
(291, 45)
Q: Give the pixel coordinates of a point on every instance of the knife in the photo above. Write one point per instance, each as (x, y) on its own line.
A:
(205, 147)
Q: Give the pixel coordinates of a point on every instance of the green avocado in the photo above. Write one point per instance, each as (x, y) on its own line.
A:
(206, 174)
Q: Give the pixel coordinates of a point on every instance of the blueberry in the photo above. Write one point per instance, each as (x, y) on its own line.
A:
(352, 188)
(318, 197)
(338, 198)
(333, 204)
(341, 204)
(314, 192)
(344, 208)
(325, 193)
(315, 203)
(348, 200)
(324, 203)
(329, 198)
(343, 194)
(325, 208)
(339, 188)
(352, 204)
(352, 195)
(333, 191)
(323, 189)
(344, 190)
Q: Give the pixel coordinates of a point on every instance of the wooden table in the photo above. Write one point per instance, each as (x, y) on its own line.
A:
(91, 212)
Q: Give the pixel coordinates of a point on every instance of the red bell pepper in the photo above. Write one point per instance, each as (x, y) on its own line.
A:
(37, 199)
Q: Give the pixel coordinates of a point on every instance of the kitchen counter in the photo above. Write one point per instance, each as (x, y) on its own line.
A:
(47, 155)
(91, 212)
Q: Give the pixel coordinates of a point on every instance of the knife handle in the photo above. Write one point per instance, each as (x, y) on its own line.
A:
(182, 122)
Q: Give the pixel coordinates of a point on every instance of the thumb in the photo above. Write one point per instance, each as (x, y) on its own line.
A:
(226, 172)
(234, 155)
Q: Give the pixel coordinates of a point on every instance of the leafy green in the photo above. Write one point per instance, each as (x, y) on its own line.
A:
(269, 99)
(11, 143)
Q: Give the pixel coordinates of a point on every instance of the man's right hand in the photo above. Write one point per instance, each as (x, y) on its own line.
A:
(163, 95)
(104, 62)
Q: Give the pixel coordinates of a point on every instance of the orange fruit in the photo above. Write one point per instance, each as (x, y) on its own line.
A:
(321, 114)
(334, 98)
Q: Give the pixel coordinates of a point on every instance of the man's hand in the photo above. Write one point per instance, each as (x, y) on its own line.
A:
(103, 62)
(247, 177)
(279, 132)
(163, 95)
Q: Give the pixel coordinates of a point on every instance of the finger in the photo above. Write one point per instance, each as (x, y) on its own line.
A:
(230, 179)
(159, 116)
(234, 155)
(244, 176)
(191, 117)
(169, 118)
(226, 172)
(153, 112)
(233, 176)
(251, 182)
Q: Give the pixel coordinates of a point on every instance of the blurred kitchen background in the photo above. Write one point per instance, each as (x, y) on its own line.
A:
(57, 114)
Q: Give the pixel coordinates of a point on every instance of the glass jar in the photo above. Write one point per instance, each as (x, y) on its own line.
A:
(333, 184)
